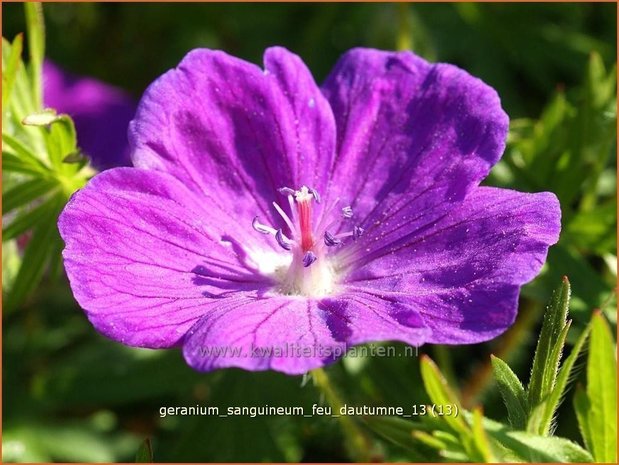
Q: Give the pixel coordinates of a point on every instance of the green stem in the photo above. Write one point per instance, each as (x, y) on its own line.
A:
(357, 442)
(444, 362)
(35, 33)
(405, 38)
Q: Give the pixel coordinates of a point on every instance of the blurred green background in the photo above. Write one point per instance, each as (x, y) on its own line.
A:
(71, 395)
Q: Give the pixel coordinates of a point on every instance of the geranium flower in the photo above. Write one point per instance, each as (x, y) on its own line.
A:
(100, 111)
(271, 224)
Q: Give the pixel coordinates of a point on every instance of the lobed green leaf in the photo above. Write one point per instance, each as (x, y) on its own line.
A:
(23, 152)
(26, 192)
(37, 254)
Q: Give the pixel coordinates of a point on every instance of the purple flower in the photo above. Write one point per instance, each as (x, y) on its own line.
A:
(271, 224)
(101, 114)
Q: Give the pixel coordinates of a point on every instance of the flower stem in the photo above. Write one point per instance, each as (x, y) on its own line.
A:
(404, 39)
(358, 443)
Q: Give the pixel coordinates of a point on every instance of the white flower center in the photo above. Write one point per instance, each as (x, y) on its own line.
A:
(310, 270)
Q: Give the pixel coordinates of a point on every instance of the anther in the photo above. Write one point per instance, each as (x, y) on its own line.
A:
(309, 258)
(331, 240)
(357, 232)
(282, 240)
(347, 212)
(286, 191)
(315, 193)
(261, 228)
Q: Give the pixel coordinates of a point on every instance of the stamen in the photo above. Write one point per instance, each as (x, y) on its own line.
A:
(282, 213)
(315, 193)
(282, 240)
(262, 228)
(326, 214)
(286, 191)
(309, 258)
(331, 240)
(302, 240)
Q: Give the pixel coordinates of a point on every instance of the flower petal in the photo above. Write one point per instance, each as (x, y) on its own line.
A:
(366, 316)
(230, 130)
(291, 335)
(295, 335)
(145, 258)
(411, 135)
(463, 272)
(100, 111)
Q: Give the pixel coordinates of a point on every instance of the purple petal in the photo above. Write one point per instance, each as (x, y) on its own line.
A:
(286, 334)
(230, 130)
(296, 335)
(361, 315)
(146, 259)
(463, 272)
(411, 135)
(101, 114)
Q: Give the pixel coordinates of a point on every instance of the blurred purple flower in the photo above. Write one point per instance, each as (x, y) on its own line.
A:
(271, 224)
(101, 114)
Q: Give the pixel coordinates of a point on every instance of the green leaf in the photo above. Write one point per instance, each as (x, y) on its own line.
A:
(26, 192)
(549, 345)
(602, 391)
(36, 256)
(400, 432)
(27, 220)
(9, 73)
(429, 440)
(582, 407)
(553, 402)
(10, 264)
(440, 393)
(480, 438)
(595, 229)
(62, 142)
(35, 28)
(23, 152)
(145, 452)
(512, 391)
(534, 448)
(12, 163)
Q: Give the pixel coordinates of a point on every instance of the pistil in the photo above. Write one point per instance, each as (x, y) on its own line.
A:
(311, 270)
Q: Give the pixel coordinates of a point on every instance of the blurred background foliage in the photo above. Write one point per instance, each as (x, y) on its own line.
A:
(71, 395)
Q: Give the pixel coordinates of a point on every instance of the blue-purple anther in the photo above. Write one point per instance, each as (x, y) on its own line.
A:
(286, 191)
(261, 228)
(331, 240)
(315, 193)
(347, 212)
(282, 240)
(309, 258)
